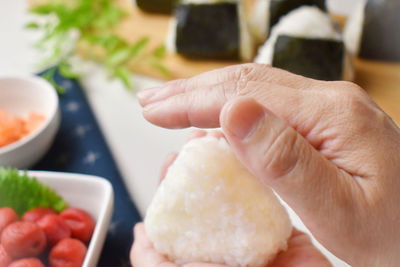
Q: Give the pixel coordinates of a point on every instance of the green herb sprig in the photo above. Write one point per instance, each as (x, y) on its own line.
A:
(92, 21)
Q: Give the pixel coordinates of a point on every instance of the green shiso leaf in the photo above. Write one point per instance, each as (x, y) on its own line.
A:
(22, 193)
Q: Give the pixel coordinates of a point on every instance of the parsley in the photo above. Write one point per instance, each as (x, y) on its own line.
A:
(23, 193)
(93, 22)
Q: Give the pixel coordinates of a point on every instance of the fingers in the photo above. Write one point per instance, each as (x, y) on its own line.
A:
(143, 254)
(300, 253)
(281, 158)
(198, 108)
(196, 134)
(216, 134)
(202, 107)
(168, 162)
(203, 265)
(237, 74)
(141, 238)
(201, 133)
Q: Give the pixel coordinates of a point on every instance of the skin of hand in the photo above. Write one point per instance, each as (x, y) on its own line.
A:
(300, 253)
(325, 147)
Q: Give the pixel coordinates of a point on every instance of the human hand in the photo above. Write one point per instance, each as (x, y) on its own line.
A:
(300, 252)
(325, 147)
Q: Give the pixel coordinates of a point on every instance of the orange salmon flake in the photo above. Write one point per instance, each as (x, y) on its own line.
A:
(13, 128)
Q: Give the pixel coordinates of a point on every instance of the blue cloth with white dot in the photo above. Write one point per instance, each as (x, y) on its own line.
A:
(80, 147)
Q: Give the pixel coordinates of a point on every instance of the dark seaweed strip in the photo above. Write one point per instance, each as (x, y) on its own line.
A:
(314, 58)
(157, 6)
(279, 8)
(381, 31)
(208, 31)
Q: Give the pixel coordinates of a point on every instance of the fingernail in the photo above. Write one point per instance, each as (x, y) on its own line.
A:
(244, 118)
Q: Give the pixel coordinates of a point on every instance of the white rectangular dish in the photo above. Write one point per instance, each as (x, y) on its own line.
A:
(90, 193)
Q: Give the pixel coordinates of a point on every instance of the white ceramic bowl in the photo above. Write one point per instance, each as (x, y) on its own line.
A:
(21, 95)
(90, 193)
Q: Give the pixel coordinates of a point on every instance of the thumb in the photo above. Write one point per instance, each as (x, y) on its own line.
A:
(282, 159)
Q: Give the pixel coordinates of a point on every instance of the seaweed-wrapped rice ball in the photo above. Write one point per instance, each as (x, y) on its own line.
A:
(268, 12)
(209, 208)
(307, 42)
(372, 31)
(156, 6)
(204, 29)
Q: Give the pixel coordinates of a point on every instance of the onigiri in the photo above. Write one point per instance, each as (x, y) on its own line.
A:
(372, 31)
(210, 29)
(307, 42)
(210, 208)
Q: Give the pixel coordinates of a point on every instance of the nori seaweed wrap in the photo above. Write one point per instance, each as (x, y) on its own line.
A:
(373, 32)
(157, 6)
(210, 30)
(319, 59)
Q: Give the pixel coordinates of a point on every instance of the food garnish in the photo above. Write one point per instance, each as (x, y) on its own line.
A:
(22, 193)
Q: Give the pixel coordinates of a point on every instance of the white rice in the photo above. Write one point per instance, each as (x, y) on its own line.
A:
(246, 39)
(209, 208)
(305, 22)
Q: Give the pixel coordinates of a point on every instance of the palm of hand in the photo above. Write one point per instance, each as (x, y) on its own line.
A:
(300, 253)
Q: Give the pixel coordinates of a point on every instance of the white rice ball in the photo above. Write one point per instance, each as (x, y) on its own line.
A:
(246, 39)
(209, 208)
(306, 22)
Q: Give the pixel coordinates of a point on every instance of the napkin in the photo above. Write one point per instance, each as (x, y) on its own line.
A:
(80, 147)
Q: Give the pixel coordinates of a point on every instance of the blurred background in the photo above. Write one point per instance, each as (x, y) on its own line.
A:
(137, 147)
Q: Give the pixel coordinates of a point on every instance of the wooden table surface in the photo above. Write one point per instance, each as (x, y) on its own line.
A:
(381, 80)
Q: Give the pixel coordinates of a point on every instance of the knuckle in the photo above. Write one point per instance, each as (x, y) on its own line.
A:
(249, 72)
(347, 85)
(356, 107)
(355, 104)
(348, 90)
(350, 101)
(232, 88)
(245, 71)
(179, 83)
(280, 155)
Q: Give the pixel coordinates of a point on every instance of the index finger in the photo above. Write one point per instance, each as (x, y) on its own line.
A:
(236, 73)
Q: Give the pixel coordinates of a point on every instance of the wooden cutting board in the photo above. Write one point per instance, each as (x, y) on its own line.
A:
(380, 80)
